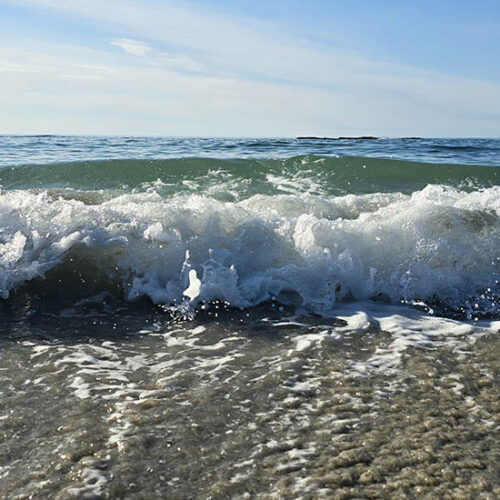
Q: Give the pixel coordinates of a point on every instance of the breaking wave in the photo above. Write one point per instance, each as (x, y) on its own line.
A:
(307, 231)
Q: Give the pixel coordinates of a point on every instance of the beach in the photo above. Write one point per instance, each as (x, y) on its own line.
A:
(239, 409)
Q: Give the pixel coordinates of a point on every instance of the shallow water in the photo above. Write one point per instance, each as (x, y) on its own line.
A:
(232, 318)
(247, 404)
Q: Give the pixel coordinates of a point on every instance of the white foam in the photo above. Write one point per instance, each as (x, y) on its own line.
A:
(305, 249)
(193, 290)
(410, 328)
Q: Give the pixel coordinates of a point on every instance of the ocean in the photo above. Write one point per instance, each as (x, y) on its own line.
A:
(249, 318)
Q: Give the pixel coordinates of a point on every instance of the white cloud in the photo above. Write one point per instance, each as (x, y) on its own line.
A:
(134, 47)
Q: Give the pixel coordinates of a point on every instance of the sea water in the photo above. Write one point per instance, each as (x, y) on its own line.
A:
(193, 318)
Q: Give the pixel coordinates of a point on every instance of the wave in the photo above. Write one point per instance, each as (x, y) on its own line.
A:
(437, 245)
(328, 175)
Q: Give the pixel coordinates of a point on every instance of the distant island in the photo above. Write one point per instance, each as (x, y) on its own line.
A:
(360, 138)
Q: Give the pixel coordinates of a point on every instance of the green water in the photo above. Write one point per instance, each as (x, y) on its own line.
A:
(334, 176)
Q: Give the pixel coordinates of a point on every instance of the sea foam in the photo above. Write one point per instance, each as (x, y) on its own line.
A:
(437, 244)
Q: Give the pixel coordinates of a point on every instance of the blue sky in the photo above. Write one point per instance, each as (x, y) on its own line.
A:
(250, 68)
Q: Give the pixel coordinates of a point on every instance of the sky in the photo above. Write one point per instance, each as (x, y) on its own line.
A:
(256, 68)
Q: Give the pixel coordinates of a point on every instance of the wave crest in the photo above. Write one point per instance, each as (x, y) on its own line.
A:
(437, 245)
(243, 178)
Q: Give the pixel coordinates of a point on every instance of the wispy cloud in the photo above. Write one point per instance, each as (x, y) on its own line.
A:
(134, 47)
(19, 68)
(160, 58)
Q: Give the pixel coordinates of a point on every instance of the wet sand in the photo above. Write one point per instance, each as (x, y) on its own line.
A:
(243, 407)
